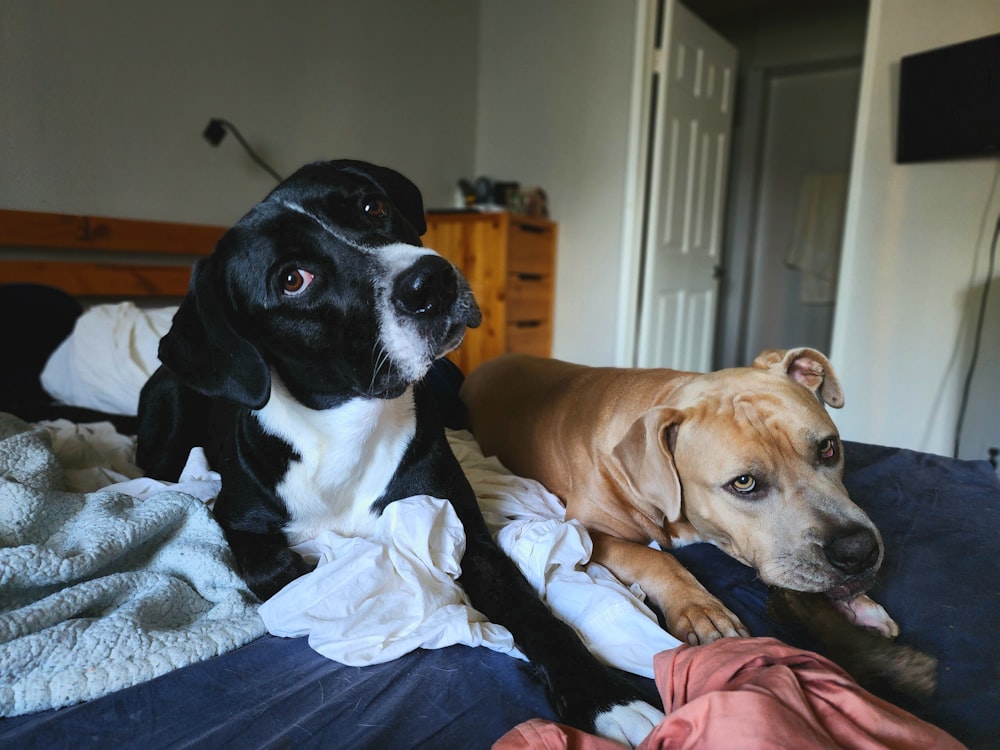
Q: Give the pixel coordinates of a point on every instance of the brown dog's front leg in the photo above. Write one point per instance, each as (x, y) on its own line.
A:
(692, 614)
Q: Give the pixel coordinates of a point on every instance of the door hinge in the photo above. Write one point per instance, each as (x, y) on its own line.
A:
(659, 60)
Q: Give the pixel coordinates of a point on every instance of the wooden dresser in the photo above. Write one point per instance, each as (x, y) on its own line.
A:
(510, 261)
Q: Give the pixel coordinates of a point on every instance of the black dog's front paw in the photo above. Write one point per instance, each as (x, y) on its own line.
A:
(608, 706)
(874, 661)
(628, 723)
(267, 577)
(265, 562)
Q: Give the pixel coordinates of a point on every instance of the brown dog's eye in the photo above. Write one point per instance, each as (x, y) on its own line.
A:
(376, 208)
(744, 483)
(828, 449)
(295, 282)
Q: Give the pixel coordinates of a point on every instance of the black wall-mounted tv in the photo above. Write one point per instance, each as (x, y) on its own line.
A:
(949, 102)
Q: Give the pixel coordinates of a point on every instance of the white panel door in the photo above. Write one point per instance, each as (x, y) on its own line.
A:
(696, 77)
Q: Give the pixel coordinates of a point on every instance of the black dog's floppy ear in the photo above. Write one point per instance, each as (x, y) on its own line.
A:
(206, 354)
(404, 194)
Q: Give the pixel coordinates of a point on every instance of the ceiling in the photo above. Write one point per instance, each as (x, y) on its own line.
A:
(729, 11)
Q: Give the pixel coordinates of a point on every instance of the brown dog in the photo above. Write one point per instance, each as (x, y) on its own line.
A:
(745, 458)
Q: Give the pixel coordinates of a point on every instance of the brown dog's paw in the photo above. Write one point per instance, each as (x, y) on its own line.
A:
(702, 621)
(864, 612)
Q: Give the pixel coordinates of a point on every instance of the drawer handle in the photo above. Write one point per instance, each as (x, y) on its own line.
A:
(530, 276)
(532, 228)
(528, 323)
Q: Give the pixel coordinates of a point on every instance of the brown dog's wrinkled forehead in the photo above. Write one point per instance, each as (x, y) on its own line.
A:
(733, 406)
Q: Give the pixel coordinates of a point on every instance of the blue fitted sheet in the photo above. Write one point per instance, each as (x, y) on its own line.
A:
(940, 580)
(940, 519)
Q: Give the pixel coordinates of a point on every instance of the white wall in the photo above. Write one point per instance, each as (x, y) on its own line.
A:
(915, 248)
(554, 97)
(774, 47)
(102, 104)
(102, 107)
(555, 91)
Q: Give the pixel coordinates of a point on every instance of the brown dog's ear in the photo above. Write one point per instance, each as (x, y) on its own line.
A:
(206, 354)
(643, 464)
(808, 368)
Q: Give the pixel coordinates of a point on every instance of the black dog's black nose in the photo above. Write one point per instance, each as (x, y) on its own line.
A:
(428, 287)
(855, 552)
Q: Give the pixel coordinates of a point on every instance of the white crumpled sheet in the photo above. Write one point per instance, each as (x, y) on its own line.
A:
(372, 600)
(108, 357)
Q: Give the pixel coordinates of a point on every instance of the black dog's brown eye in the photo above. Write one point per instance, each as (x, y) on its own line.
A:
(296, 281)
(376, 208)
(744, 483)
(828, 449)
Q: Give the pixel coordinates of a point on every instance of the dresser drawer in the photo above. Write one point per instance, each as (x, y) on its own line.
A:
(509, 261)
(531, 246)
(530, 337)
(529, 297)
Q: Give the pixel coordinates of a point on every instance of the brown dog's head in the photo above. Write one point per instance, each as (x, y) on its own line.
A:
(750, 458)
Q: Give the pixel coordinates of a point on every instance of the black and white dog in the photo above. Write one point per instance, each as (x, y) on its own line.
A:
(296, 360)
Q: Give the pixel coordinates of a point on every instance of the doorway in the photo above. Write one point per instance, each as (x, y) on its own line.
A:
(791, 282)
(796, 96)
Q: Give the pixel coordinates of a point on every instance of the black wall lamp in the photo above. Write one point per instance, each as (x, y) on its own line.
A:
(215, 131)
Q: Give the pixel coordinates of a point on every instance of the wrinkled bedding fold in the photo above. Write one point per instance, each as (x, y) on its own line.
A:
(102, 590)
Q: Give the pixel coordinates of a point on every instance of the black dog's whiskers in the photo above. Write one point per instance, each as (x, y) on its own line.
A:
(380, 356)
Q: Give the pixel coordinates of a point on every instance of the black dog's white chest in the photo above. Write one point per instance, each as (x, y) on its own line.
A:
(344, 459)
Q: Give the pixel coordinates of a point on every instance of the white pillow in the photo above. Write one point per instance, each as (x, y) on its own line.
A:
(107, 359)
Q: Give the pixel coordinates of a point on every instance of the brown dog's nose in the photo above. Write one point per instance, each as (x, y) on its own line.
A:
(854, 552)
(428, 287)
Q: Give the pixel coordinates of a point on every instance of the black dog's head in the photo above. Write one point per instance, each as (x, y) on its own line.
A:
(325, 284)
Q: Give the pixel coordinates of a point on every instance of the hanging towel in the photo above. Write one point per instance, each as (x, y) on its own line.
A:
(819, 230)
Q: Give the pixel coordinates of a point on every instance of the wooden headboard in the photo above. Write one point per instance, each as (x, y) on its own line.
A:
(101, 257)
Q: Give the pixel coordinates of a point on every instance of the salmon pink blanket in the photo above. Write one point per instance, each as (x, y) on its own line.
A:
(753, 693)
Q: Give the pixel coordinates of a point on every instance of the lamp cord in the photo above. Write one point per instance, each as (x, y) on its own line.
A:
(253, 154)
(977, 339)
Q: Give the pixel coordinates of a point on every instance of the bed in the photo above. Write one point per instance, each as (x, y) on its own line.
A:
(248, 688)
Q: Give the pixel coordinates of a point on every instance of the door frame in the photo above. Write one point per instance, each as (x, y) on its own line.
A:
(636, 189)
(745, 196)
(637, 174)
